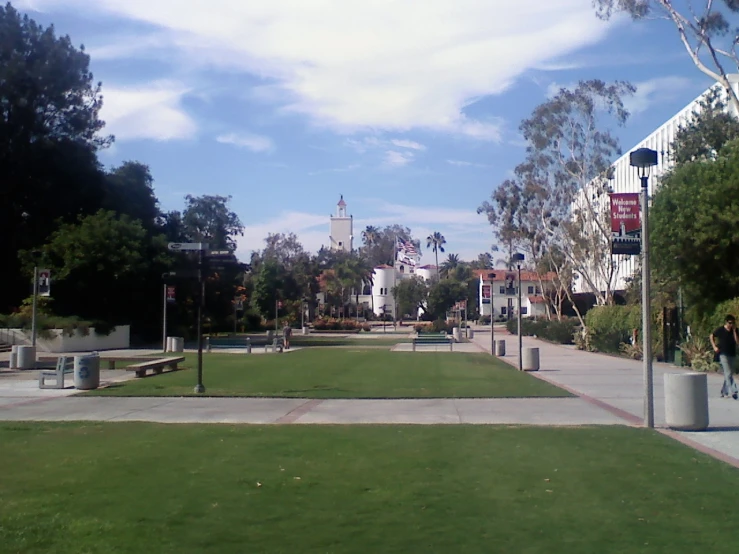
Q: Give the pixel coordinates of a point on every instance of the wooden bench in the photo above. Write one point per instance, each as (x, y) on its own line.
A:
(111, 361)
(277, 343)
(157, 365)
(64, 365)
(428, 339)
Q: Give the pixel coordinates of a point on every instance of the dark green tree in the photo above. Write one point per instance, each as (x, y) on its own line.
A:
(692, 229)
(443, 295)
(410, 295)
(208, 219)
(49, 135)
(130, 191)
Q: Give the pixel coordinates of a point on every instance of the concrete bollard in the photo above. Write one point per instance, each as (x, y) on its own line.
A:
(26, 357)
(13, 358)
(686, 401)
(248, 345)
(207, 344)
(530, 359)
(500, 348)
(177, 344)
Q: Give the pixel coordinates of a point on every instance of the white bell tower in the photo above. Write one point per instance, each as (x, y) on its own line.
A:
(341, 235)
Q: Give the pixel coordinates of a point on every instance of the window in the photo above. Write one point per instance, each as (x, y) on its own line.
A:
(504, 310)
(341, 243)
(524, 310)
(502, 290)
(538, 290)
(531, 290)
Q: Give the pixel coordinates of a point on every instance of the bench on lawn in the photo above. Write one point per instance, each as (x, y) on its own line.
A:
(157, 365)
(277, 343)
(110, 360)
(433, 339)
(64, 365)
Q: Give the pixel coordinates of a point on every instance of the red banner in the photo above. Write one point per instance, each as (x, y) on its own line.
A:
(486, 289)
(625, 223)
(170, 295)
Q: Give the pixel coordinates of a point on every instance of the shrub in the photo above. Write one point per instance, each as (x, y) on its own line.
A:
(562, 332)
(698, 354)
(484, 320)
(610, 326)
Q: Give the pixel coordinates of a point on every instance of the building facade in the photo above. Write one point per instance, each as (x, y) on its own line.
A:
(498, 293)
(626, 179)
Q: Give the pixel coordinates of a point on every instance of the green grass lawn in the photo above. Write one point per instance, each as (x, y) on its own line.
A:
(137, 487)
(343, 373)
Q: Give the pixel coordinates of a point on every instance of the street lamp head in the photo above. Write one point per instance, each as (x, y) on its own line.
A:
(643, 159)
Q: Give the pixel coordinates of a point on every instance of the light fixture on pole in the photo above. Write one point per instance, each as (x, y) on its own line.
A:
(518, 257)
(644, 159)
(492, 312)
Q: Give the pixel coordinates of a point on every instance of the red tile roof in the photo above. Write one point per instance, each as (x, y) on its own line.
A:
(537, 300)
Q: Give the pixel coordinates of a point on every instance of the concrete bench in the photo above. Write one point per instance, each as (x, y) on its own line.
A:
(433, 340)
(64, 366)
(157, 366)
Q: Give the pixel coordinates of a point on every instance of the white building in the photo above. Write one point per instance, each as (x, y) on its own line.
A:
(378, 296)
(498, 293)
(626, 178)
(341, 230)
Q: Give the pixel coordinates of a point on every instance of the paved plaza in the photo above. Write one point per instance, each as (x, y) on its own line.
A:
(609, 391)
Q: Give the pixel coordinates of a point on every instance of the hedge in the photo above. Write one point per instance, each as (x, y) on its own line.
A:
(562, 332)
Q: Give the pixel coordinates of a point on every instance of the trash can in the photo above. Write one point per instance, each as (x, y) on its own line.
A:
(686, 401)
(530, 359)
(305, 330)
(470, 333)
(500, 348)
(87, 371)
(455, 334)
(177, 344)
(26, 357)
(13, 357)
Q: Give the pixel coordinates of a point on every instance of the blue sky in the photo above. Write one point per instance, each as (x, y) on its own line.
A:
(409, 109)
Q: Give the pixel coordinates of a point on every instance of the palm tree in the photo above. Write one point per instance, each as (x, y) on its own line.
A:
(370, 236)
(437, 241)
(450, 264)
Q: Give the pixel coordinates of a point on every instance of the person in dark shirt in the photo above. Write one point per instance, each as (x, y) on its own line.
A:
(724, 341)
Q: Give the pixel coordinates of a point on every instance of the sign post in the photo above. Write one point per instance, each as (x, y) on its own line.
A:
(200, 248)
(625, 224)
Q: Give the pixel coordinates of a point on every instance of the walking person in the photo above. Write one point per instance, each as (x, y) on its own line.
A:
(287, 332)
(724, 340)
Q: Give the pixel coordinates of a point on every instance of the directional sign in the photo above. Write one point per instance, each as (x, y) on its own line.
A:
(178, 246)
(219, 253)
(183, 274)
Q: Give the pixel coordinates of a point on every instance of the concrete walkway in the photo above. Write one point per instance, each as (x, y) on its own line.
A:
(617, 384)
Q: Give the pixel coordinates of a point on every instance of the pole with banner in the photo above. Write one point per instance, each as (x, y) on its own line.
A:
(625, 224)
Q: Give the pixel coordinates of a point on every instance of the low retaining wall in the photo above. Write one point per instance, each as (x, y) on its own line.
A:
(119, 337)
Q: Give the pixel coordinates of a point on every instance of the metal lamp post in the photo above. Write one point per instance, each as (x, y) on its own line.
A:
(518, 257)
(644, 159)
(492, 313)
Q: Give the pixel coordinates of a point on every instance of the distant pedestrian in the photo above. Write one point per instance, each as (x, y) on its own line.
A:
(287, 332)
(724, 340)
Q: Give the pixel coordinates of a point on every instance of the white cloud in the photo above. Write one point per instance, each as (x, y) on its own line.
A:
(393, 158)
(408, 144)
(463, 163)
(354, 66)
(255, 143)
(343, 169)
(150, 111)
(659, 89)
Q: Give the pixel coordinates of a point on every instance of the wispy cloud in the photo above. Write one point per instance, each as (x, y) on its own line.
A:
(255, 143)
(462, 163)
(343, 169)
(393, 158)
(355, 66)
(150, 111)
(659, 89)
(408, 144)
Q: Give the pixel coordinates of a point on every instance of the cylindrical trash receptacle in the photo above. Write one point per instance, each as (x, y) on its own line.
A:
(455, 334)
(13, 359)
(26, 357)
(686, 401)
(530, 359)
(500, 348)
(270, 335)
(168, 343)
(305, 330)
(177, 344)
(87, 372)
(470, 333)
